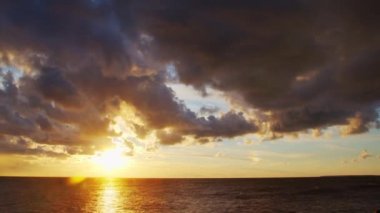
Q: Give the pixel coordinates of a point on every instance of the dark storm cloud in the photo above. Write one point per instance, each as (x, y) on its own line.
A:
(228, 125)
(301, 64)
(311, 64)
(53, 86)
(21, 146)
(44, 123)
(68, 32)
(208, 109)
(159, 107)
(25, 113)
(169, 138)
(83, 56)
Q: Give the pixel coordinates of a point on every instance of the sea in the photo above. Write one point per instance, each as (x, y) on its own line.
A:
(320, 194)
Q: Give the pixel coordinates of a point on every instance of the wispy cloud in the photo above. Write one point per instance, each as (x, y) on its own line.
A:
(254, 158)
(363, 155)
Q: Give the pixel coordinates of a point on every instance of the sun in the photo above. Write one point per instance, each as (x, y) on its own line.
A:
(110, 160)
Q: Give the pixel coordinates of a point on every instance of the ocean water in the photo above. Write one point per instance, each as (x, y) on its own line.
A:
(327, 194)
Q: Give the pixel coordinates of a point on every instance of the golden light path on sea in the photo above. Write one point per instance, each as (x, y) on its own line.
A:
(109, 201)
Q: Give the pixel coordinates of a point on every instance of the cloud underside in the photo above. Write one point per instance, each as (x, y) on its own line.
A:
(290, 66)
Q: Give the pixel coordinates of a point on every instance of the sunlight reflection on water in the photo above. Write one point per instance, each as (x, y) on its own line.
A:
(109, 198)
(343, 194)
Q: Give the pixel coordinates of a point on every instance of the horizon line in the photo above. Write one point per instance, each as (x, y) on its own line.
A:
(116, 177)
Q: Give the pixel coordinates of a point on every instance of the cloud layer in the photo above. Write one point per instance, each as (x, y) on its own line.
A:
(67, 67)
(311, 65)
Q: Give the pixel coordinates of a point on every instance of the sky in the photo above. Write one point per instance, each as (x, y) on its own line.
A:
(180, 88)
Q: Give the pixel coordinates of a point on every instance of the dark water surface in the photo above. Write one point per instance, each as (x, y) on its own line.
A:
(327, 194)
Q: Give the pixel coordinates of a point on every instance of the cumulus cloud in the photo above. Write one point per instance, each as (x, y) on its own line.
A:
(299, 64)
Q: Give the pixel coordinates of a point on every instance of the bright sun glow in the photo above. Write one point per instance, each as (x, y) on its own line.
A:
(111, 160)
